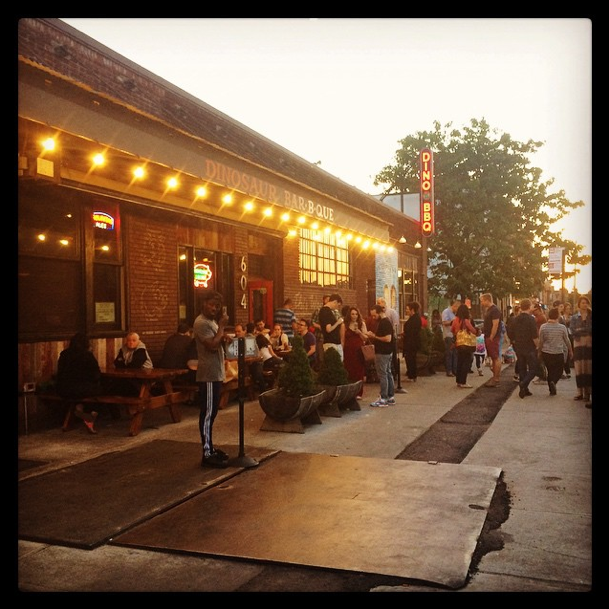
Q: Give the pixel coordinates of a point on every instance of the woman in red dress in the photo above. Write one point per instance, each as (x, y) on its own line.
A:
(355, 337)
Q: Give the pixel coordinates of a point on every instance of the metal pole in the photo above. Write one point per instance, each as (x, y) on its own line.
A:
(399, 388)
(242, 460)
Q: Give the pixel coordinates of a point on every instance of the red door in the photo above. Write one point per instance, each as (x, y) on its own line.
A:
(260, 293)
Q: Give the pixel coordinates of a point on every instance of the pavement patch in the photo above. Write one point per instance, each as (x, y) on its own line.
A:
(387, 517)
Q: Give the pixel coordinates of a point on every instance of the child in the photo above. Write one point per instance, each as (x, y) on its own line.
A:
(480, 353)
(509, 356)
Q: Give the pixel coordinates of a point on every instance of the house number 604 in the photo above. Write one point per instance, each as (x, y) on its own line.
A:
(243, 282)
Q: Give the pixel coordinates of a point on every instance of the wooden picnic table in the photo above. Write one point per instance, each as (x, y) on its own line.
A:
(160, 378)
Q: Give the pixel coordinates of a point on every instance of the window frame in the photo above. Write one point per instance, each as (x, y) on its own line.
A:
(324, 260)
(35, 197)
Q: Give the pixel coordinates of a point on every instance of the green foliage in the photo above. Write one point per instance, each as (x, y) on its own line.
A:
(296, 377)
(438, 341)
(332, 370)
(493, 216)
(426, 341)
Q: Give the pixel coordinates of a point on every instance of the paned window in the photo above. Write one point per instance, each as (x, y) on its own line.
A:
(324, 260)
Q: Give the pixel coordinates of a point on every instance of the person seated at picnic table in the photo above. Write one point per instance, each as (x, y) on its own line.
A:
(177, 348)
(133, 354)
(260, 328)
(270, 360)
(279, 339)
(254, 368)
(78, 376)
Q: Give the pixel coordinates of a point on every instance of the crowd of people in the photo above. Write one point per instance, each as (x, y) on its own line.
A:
(546, 347)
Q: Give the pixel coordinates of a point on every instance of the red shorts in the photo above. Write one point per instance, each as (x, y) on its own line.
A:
(492, 347)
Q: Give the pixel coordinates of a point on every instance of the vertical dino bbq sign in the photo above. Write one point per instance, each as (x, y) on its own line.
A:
(427, 198)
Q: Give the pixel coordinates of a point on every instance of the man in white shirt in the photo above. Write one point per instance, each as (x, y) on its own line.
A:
(450, 353)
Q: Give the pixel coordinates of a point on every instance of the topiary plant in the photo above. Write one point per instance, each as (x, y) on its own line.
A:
(332, 370)
(295, 376)
(427, 338)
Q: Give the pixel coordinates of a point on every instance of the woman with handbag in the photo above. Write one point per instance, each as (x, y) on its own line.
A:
(355, 338)
(465, 343)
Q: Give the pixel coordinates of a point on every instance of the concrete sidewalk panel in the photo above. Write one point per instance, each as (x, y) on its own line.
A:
(554, 549)
(399, 518)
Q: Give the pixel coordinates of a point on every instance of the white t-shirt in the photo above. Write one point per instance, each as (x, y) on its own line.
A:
(448, 315)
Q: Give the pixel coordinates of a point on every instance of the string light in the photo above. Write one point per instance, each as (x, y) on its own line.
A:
(139, 172)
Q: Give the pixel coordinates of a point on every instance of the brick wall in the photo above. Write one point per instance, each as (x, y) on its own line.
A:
(152, 250)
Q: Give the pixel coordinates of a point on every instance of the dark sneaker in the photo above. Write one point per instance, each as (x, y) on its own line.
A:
(214, 461)
(523, 392)
(221, 454)
(552, 387)
(391, 401)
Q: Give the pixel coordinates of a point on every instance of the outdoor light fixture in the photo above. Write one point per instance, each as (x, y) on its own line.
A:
(417, 245)
(402, 239)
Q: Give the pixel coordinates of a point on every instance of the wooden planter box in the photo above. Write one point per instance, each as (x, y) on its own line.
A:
(341, 397)
(284, 413)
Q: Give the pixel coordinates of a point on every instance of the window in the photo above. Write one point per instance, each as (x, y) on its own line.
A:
(200, 271)
(104, 223)
(324, 260)
(69, 268)
(408, 281)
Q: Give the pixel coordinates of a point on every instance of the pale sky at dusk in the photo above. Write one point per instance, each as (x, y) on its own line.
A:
(345, 91)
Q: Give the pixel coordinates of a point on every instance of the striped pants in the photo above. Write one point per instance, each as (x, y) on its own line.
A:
(210, 400)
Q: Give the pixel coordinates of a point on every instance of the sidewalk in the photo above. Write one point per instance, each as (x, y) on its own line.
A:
(542, 444)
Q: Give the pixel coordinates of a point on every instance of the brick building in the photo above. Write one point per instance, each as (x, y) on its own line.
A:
(104, 251)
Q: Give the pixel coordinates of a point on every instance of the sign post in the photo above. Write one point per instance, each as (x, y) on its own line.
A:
(242, 459)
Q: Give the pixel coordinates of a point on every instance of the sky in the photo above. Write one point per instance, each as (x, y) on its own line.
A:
(343, 92)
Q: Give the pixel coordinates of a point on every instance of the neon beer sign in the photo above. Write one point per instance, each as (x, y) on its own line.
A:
(427, 196)
(103, 220)
(203, 275)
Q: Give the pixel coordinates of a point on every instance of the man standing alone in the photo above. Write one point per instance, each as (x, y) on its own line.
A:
(209, 337)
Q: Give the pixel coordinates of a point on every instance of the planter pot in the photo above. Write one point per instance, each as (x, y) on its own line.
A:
(343, 397)
(284, 413)
(426, 362)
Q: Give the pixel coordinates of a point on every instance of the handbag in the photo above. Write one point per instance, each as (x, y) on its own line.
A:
(368, 352)
(465, 338)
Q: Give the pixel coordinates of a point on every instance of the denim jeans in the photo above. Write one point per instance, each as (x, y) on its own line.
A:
(450, 355)
(382, 363)
(528, 365)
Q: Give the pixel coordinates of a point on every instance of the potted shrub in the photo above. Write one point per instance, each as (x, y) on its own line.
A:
(340, 391)
(429, 355)
(296, 398)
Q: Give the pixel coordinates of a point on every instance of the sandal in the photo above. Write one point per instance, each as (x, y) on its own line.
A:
(578, 398)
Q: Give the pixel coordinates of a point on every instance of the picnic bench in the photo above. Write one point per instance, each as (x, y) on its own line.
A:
(164, 395)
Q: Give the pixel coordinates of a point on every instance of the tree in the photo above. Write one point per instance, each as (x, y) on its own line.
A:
(295, 377)
(493, 215)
